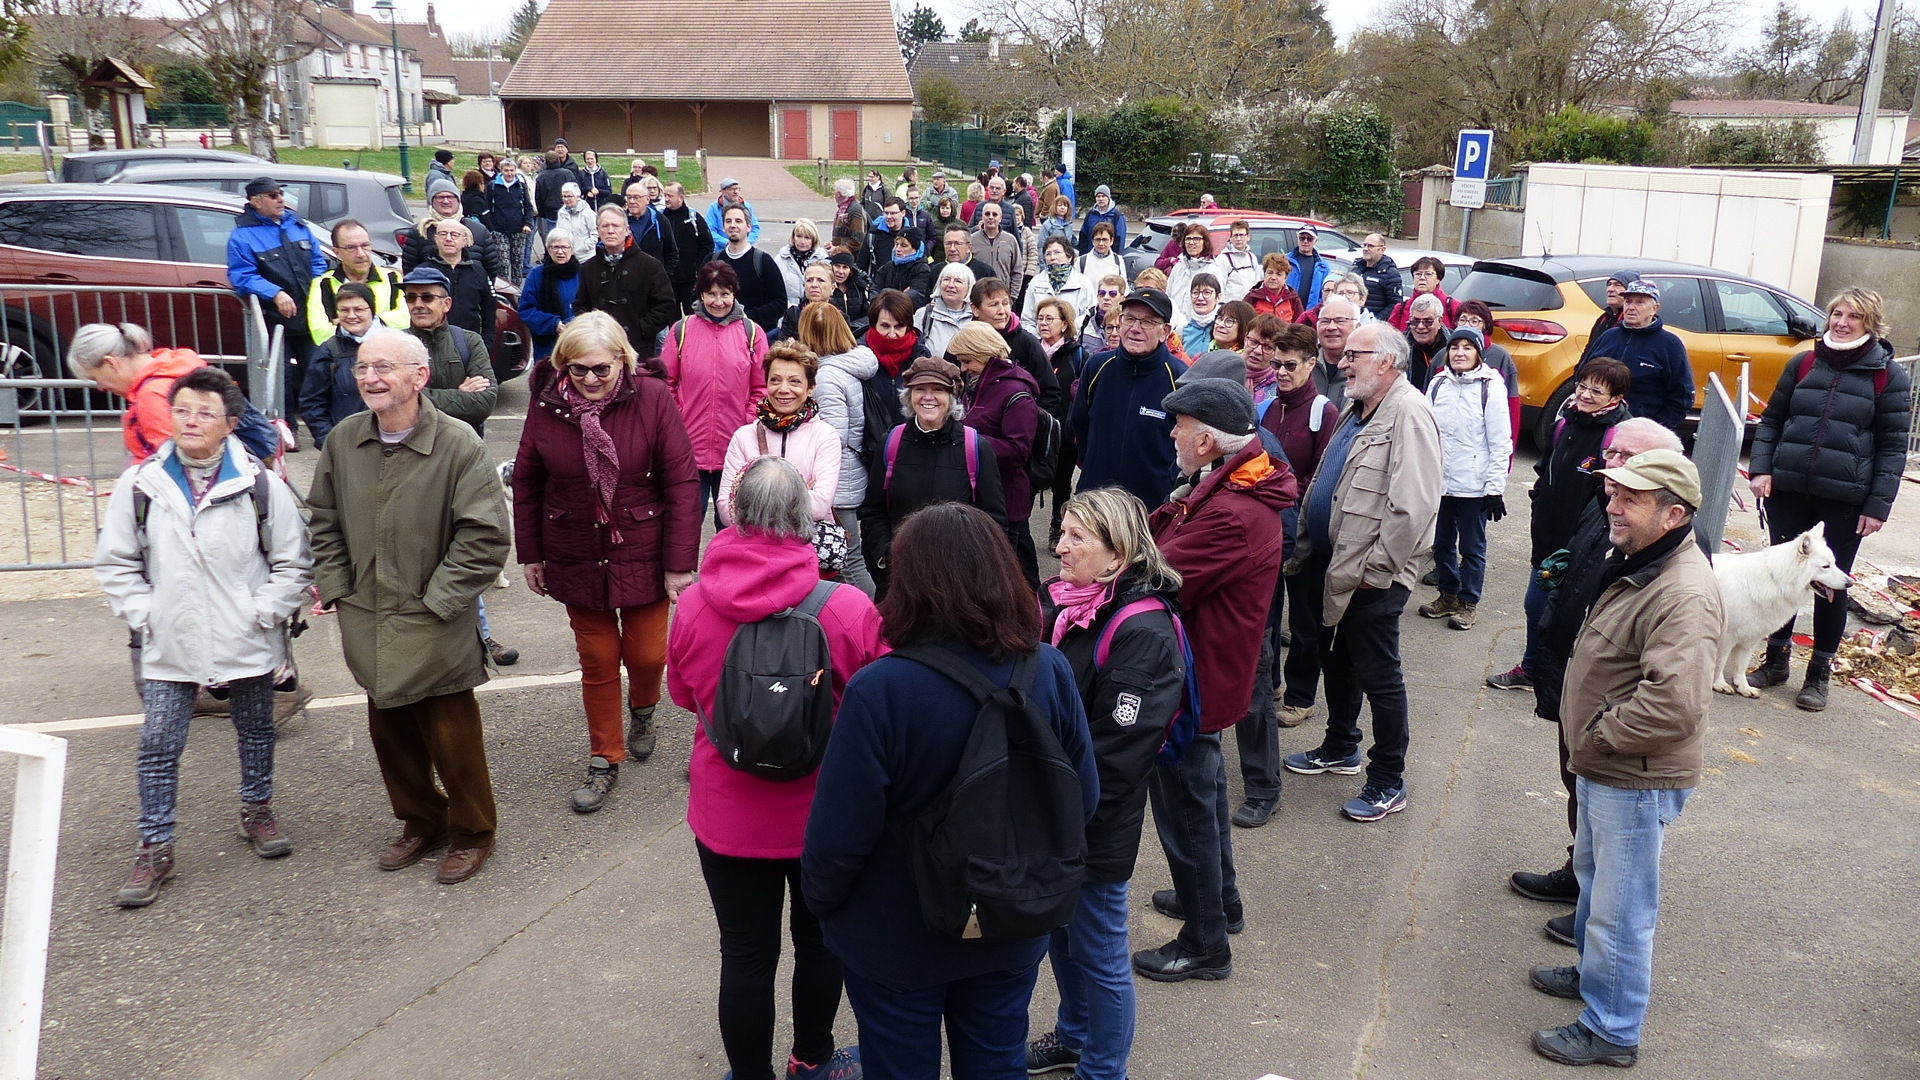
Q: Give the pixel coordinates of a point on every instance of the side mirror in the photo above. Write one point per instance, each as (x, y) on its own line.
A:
(1801, 328)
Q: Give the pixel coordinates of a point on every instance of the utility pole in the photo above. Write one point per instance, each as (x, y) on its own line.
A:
(1863, 128)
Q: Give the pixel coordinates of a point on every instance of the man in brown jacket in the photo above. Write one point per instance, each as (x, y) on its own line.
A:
(1633, 715)
(1369, 512)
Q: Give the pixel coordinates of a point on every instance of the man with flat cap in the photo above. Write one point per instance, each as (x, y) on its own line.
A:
(1117, 420)
(1221, 530)
(273, 255)
(1633, 717)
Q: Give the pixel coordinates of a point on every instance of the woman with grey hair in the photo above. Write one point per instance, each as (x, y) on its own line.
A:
(949, 310)
(120, 359)
(576, 218)
(748, 829)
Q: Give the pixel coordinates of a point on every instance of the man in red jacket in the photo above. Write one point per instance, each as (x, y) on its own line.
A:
(1221, 530)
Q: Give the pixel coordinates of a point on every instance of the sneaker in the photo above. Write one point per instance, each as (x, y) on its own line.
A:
(151, 867)
(1515, 678)
(1560, 929)
(640, 735)
(602, 777)
(1314, 762)
(1441, 607)
(1173, 963)
(262, 831)
(843, 1065)
(502, 656)
(1555, 887)
(1376, 802)
(1046, 1054)
(1253, 813)
(1167, 902)
(1291, 715)
(1576, 1044)
(1561, 982)
(1463, 616)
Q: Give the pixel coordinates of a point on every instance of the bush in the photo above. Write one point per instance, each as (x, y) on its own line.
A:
(942, 102)
(1134, 146)
(1576, 136)
(1349, 173)
(1793, 143)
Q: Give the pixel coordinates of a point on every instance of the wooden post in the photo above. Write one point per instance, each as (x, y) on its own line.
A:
(627, 107)
(560, 117)
(699, 126)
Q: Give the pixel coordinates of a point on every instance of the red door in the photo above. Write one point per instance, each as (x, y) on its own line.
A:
(793, 132)
(846, 134)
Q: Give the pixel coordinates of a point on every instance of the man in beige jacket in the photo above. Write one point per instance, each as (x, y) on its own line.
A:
(1633, 715)
(1367, 516)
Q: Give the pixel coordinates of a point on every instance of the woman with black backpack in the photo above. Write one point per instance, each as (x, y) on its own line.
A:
(921, 946)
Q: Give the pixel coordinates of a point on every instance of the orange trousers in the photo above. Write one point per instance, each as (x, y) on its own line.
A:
(635, 637)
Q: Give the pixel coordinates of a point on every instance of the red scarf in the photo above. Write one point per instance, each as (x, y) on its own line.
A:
(894, 353)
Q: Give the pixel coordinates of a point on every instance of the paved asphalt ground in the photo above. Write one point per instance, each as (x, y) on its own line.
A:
(587, 947)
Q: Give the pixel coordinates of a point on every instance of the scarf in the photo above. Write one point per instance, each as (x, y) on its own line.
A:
(894, 353)
(1077, 604)
(773, 421)
(1841, 355)
(1263, 385)
(551, 275)
(603, 461)
(1057, 275)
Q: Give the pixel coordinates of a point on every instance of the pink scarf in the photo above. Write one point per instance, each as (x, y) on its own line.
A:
(603, 461)
(1077, 605)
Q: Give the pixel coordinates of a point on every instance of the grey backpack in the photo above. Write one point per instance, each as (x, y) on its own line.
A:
(773, 707)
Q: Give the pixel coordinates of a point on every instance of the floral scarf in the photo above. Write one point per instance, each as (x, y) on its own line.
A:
(773, 421)
(1263, 385)
(603, 460)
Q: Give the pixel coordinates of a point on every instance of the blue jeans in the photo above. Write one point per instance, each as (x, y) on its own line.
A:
(1189, 801)
(1094, 972)
(985, 1018)
(480, 608)
(1460, 548)
(1616, 858)
(1538, 596)
(710, 493)
(163, 736)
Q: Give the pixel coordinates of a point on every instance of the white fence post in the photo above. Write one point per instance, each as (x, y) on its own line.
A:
(32, 852)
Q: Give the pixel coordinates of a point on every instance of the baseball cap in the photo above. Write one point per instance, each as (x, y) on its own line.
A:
(1155, 300)
(1642, 287)
(1655, 469)
(262, 185)
(426, 275)
(1308, 230)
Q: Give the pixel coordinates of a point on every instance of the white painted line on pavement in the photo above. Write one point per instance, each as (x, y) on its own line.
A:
(96, 723)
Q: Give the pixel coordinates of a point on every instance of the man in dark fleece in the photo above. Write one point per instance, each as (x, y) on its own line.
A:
(1662, 377)
(1117, 422)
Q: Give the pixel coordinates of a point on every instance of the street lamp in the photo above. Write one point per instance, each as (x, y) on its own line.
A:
(392, 13)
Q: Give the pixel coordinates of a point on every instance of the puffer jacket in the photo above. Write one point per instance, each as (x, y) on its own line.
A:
(938, 323)
(813, 448)
(1384, 284)
(1470, 409)
(716, 379)
(1634, 706)
(1830, 436)
(1007, 421)
(1568, 476)
(793, 271)
(417, 247)
(328, 392)
(842, 397)
(203, 598)
(558, 518)
(577, 221)
(1180, 285)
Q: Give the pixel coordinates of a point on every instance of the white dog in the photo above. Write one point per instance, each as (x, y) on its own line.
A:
(1761, 590)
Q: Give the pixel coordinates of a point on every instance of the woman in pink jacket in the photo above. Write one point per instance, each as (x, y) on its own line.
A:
(713, 367)
(787, 424)
(748, 831)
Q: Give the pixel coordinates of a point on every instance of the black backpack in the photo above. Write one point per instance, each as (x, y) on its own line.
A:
(880, 403)
(1001, 853)
(773, 708)
(1045, 452)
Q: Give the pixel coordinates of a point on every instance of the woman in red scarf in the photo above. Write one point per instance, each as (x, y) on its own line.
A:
(606, 520)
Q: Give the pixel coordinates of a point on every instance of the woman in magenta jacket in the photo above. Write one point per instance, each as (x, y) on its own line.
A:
(749, 831)
(787, 424)
(712, 358)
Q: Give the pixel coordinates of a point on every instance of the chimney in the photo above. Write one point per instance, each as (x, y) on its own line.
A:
(433, 25)
(993, 46)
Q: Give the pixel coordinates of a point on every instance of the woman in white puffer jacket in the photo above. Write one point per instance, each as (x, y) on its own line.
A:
(839, 390)
(1469, 400)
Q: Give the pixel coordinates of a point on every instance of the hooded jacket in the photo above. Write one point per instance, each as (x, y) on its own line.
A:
(656, 501)
(1308, 277)
(147, 422)
(1226, 540)
(204, 600)
(1007, 425)
(1285, 304)
(417, 248)
(913, 277)
(1568, 475)
(1384, 284)
(840, 391)
(1239, 272)
(744, 578)
(633, 288)
(578, 222)
(1470, 409)
(813, 448)
(1123, 435)
(1663, 385)
(1830, 436)
(716, 379)
(1180, 285)
(267, 257)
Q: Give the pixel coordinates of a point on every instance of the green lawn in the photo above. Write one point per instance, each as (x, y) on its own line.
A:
(389, 161)
(11, 163)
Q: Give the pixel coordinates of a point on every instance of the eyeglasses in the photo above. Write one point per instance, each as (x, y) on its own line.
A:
(1256, 344)
(1297, 365)
(361, 371)
(1107, 292)
(1351, 353)
(356, 247)
(1135, 320)
(1423, 322)
(1425, 273)
(423, 297)
(1584, 390)
(1614, 454)
(598, 371)
(202, 415)
(1335, 320)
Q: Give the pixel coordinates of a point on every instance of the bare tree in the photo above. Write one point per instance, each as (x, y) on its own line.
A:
(73, 36)
(242, 42)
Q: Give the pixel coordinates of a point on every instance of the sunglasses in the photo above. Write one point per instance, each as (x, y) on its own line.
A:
(598, 371)
(423, 297)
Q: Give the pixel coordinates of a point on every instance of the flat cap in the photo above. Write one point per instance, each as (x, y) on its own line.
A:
(1218, 403)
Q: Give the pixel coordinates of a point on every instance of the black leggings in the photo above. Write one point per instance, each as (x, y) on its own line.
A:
(1789, 515)
(747, 895)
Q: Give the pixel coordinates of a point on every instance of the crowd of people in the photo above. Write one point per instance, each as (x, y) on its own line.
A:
(936, 761)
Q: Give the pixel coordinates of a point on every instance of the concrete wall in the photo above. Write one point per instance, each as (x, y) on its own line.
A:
(1835, 134)
(1890, 268)
(474, 122)
(1495, 234)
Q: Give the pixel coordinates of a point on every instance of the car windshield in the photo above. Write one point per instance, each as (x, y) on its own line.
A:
(1510, 289)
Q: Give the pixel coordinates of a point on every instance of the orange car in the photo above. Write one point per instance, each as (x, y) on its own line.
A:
(1545, 306)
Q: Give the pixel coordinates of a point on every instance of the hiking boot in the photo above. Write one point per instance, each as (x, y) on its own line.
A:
(1167, 902)
(602, 777)
(640, 736)
(1776, 668)
(1431, 578)
(1813, 692)
(1514, 679)
(1173, 963)
(1375, 802)
(1253, 813)
(1555, 887)
(843, 1065)
(502, 656)
(1321, 760)
(1576, 1044)
(1443, 606)
(1045, 1055)
(1291, 715)
(1463, 616)
(1561, 982)
(1560, 929)
(151, 867)
(262, 831)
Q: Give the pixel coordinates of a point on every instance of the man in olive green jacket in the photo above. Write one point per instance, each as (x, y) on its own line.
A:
(1633, 712)
(408, 529)
(461, 376)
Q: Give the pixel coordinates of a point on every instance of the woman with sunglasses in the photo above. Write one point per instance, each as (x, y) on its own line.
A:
(606, 516)
(1103, 314)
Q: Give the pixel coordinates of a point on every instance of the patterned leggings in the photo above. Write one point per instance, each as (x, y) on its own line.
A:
(169, 705)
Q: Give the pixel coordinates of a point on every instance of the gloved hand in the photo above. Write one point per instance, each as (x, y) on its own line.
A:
(1494, 506)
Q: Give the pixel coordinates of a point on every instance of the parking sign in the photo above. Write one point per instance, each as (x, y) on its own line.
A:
(1472, 156)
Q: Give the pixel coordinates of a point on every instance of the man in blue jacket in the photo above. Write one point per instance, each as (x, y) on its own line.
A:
(1310, 271)
(716, 214)
(275, 256)
(1123, 434)
(1103, 210)
(1662, 376)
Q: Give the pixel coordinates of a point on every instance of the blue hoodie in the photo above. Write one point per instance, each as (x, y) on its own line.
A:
(1124, 435)
(1662, 377)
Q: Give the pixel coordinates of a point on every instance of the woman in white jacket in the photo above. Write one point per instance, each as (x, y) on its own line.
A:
(1469, 400)
(576, 217)
(207, 579)
(840, 391)
(1196, 247)
(801, 249)
(1058, 279)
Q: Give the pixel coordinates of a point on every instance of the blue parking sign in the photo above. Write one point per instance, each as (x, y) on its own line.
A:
(1473, 154)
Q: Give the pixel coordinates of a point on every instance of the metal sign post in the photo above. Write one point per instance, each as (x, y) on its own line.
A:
(1472, 155)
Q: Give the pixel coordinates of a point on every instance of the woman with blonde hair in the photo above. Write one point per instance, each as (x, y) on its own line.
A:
(840, 391)
(803, 248)
(1002, 401)
(606, 520)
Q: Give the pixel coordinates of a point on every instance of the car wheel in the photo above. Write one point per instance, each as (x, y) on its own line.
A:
(29, 349)
(1543, 425)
